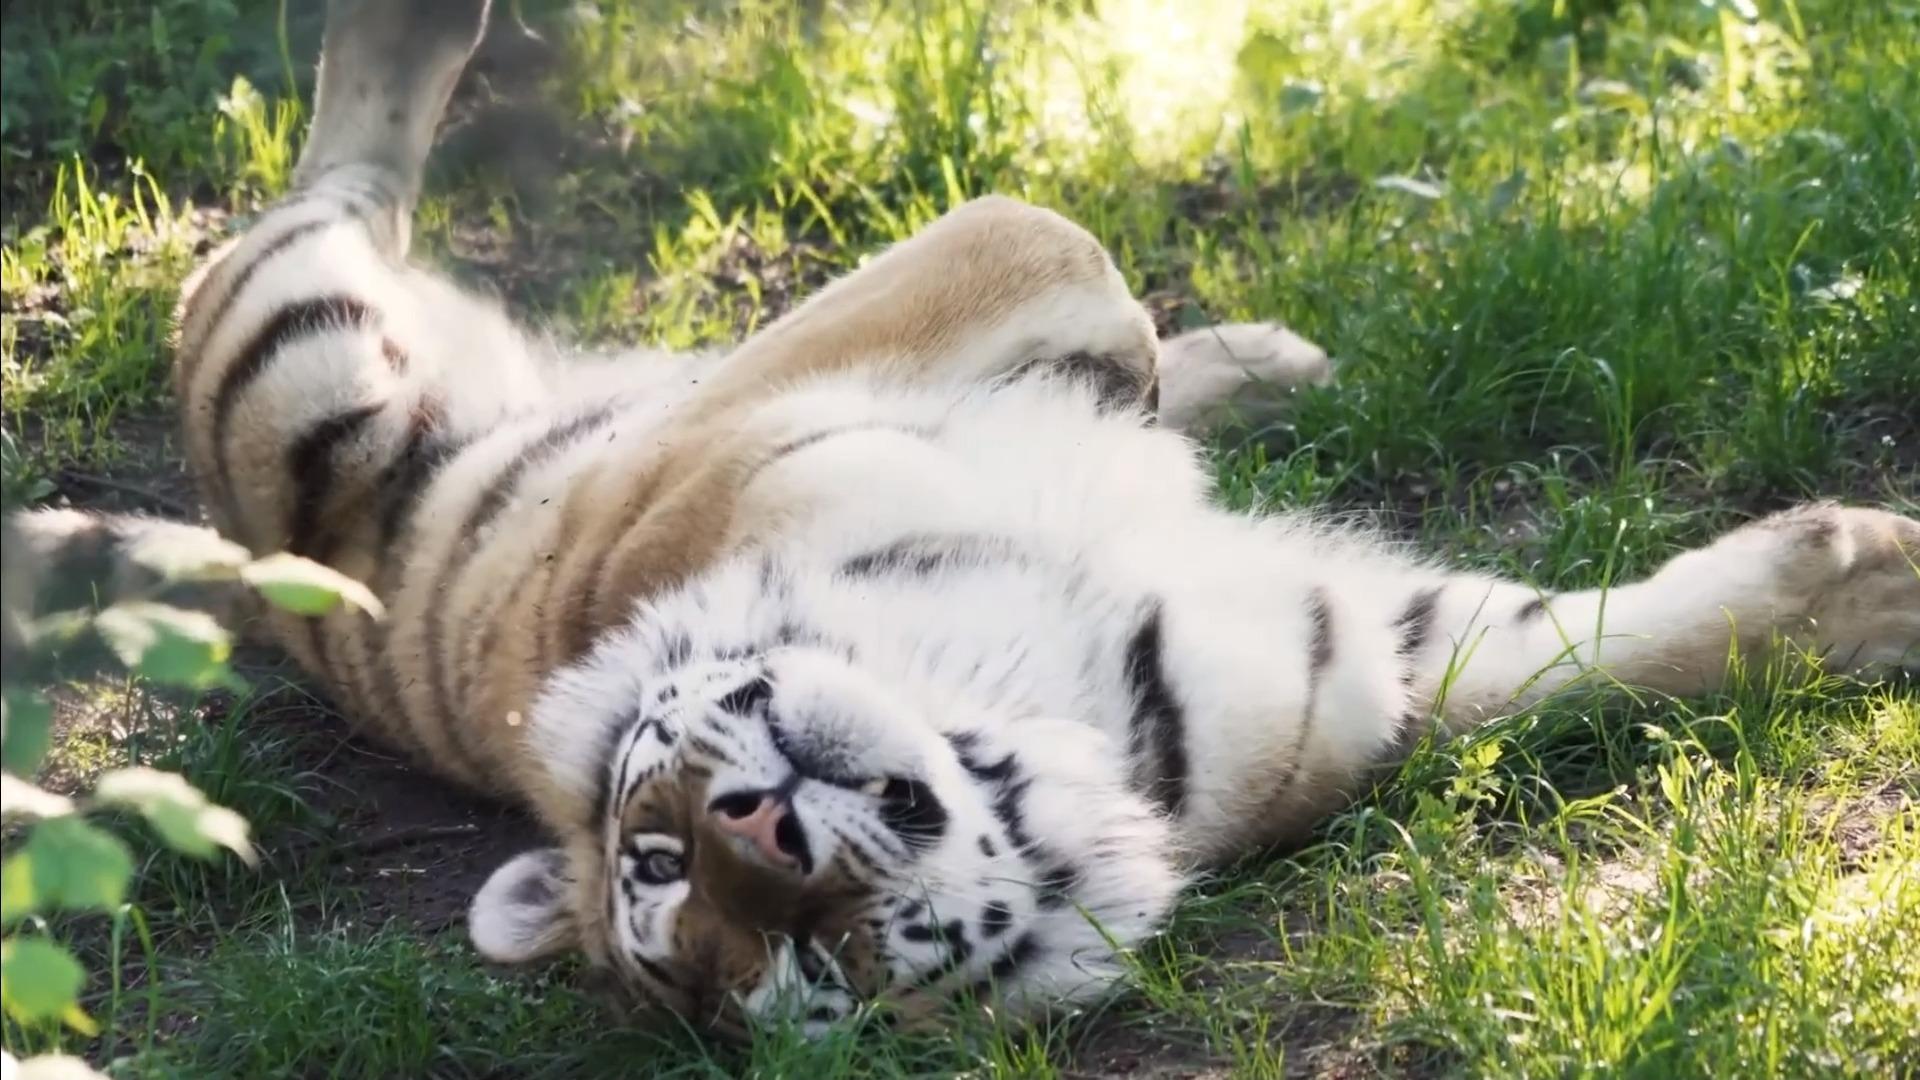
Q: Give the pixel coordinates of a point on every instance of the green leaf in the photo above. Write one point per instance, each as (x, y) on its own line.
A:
(27, 731)
(1508, 190)
(38, 979)
(58, 629)
(168, 644)
(305, 587)
(177, 811)
(55, 1067)
(17, 899)
(20, 799)
(186, 553)
(1420, 189)
(78, 866)
(1300, 94)
(1613, 94)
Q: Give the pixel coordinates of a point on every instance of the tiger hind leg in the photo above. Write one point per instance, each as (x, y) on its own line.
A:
(325, 385)
(387, 71)
(1290, 660)
(307, 351)
(1841, 584)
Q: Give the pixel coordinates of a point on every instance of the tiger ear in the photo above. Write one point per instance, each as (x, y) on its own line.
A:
(521, 913)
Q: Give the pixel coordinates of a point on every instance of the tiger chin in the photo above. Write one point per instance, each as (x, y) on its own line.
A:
(898, 657)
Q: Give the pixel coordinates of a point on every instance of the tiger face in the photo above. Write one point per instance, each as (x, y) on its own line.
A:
(781, 836)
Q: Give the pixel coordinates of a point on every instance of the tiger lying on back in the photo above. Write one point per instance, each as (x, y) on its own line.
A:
(896, 658)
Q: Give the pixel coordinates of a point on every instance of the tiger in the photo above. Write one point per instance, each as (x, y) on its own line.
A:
(900, 657)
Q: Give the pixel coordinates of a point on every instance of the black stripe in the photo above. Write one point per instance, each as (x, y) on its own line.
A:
(1319, 658)
(492, 621)
(492, 501)
(408, 475)
(241, 278)
(290, 324)
(995, 918)
(1416, 625)
(812, 968)
(852, 848)
(911, 810)
(885, 843)
(1320, 653)
(678, 650)
(400, 483)
(603, 792)
(357, 202)
(923, 555)
(1022, 952)
(1057, 884)
(702, 744)
(1116, 386)
(953, 935)
(491, 624)
(1025, 948)
(499, 491)
(1531, 610)
(372, 195)
(1414, 726)
(378, 659)
(656, 970)
(310, 461)
(1158, 723)
(764, 575)
(814, 439)
(749, 697)
(965, 744)
(632, 728)
(1010, 808)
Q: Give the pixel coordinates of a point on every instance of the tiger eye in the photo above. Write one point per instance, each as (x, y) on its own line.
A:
(661, 867)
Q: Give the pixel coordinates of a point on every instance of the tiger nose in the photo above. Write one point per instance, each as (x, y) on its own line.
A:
(766, 823)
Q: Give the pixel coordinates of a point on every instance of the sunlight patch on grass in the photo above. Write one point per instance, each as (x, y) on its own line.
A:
(88, 300)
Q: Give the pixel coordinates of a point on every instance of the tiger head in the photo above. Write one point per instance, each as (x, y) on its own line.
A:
(781, 834)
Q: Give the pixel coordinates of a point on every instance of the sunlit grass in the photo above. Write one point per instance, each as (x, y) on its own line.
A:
(88, 297)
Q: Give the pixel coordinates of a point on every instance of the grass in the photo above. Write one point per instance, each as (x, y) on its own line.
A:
(1603, 278)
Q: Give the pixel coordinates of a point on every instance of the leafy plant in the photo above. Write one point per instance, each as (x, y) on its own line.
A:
(255, 138)
(63, 860)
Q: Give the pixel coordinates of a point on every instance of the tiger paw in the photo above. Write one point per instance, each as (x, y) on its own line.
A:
(1244, 371)
(386, 72)
(1848, 577)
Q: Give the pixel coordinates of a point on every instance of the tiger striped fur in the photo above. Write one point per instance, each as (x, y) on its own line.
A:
(896, 657)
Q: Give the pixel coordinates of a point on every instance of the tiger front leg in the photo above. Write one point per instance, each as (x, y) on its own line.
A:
(1235, 371)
